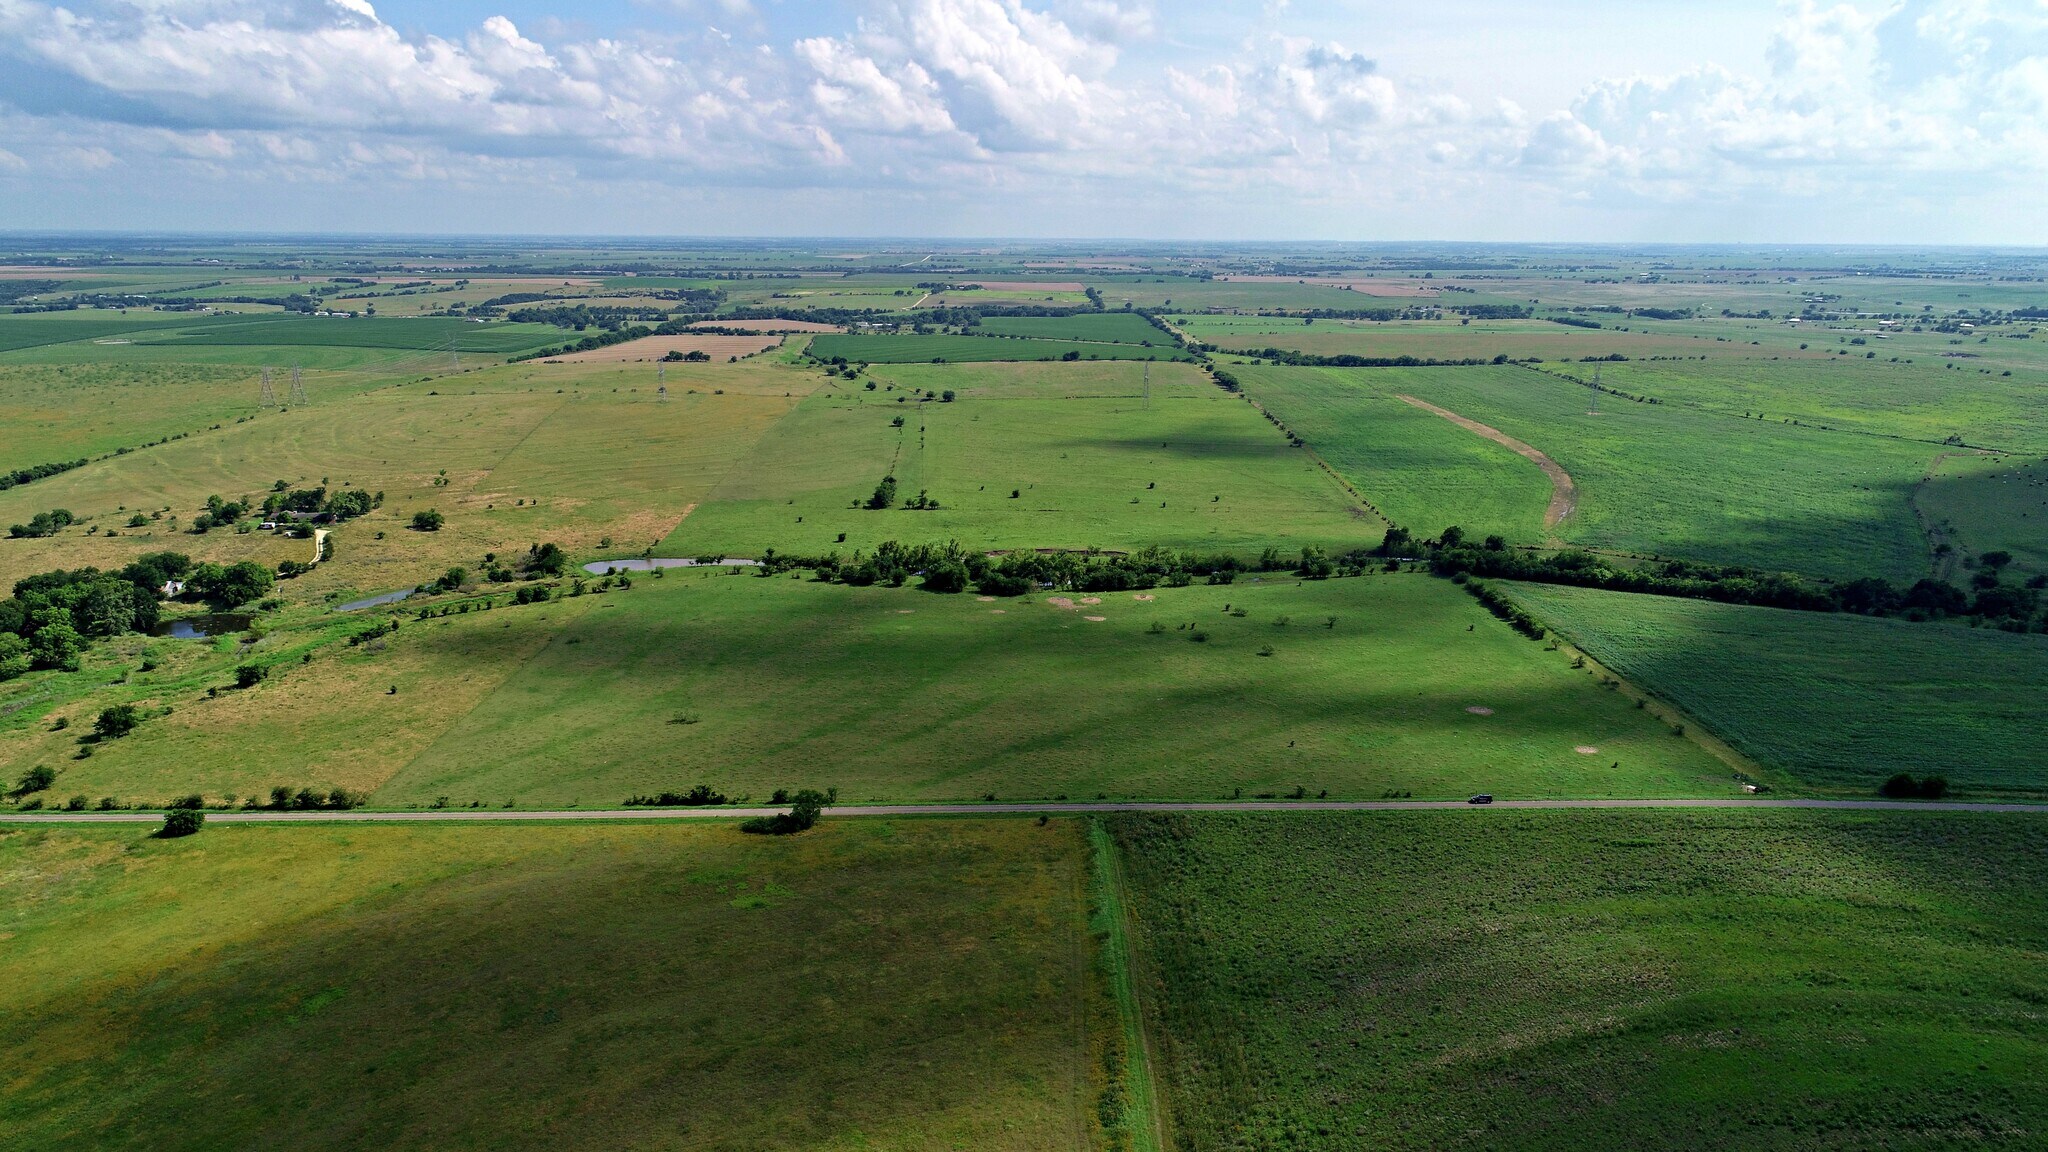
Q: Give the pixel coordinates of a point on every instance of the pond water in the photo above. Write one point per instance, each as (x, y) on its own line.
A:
(202, 627)
(637, 564)
(373, 601)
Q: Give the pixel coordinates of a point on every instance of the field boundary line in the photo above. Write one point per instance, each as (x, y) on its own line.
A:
(1048, 808)
(1141, 1087)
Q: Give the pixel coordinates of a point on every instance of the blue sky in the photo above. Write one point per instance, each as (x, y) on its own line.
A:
(1907, 121)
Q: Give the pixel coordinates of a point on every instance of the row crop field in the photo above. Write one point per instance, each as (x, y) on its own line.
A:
(1838, 702)
(1593, 980)
(1097, 327)
(421, 334)
(974, 349)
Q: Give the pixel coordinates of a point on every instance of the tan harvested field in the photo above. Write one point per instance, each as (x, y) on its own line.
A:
(771, 325)
(656, 347)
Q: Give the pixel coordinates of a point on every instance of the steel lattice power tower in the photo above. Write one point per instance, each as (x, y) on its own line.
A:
(269, 394)
(298, 388)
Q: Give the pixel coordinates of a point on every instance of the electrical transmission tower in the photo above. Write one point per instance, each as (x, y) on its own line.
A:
(298, 388)
(1148, 387)
(269, 393)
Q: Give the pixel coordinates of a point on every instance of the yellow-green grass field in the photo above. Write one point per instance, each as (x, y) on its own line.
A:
(1654, 479)
(872, 985)
(1092, 464)
(1594, 980)
(574, 454)
(1479, 339)
(751, 684)
(1837, 703)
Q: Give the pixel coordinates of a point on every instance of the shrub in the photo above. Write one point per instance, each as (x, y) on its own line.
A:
(428, 521)
(1899, 787)
(36, 779)
(181, 822)
(701, 796)
(805, 808)
(1934, 787)
(116, 722)
(250, 675)
(193, 802)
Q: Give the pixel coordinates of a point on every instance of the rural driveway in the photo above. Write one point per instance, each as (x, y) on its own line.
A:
(1001, 809)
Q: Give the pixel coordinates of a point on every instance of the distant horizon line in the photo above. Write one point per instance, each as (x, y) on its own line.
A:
(570, 238)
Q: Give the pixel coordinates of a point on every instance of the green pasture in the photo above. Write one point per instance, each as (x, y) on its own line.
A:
(913, 985)
(1094, 327)
(1651, 478)
(1922, 400)
(972, 349)
(1992, 503)
(896, 694)
(1593, 980)
(1092, 463)
(1838, 703)
(414, 333)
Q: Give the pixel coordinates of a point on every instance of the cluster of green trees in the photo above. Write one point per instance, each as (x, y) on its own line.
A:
(701, 796)
(2013, 607)
(344, 505)
(948, 568)
(53, 616)
(20, 476)
(286, 799)
(43, 524)
(1347, 360)
(804, 809)
(1904, 787)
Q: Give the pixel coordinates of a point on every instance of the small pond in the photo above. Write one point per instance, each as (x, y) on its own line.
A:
(373, 601)
(637, 564)
(202, 627)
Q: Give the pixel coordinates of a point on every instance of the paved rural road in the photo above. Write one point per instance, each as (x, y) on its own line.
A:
(999, 809)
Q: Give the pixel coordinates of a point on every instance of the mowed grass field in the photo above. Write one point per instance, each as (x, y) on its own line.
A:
(1652, 478)
(1839, 703)
(753, 684)
(1593, 980)
(973, 349)
(1092, 462)
(900, 985)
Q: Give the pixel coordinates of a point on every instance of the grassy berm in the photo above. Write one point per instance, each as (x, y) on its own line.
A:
(1594, 980)
(913, 985)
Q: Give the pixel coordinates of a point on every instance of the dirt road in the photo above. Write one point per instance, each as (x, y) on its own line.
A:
(1564, 494)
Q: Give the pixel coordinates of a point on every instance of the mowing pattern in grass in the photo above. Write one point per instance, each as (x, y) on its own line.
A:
(970, 349)
(1652, 478)
(1594, 980)
(892, 985)
(1841, 702)
(895, 694)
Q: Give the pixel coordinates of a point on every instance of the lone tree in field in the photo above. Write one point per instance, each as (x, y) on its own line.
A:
(428, 521)
(36, 779)
(116, 722)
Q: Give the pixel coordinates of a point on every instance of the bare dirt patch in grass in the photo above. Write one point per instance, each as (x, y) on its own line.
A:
(1480, 710)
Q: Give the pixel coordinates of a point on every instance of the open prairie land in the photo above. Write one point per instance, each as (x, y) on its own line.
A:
(1353, 687)
(909, 985)
(1651, 478)
(1610, 980)
(973, 349)
(1091, 462)
(1837, 702)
